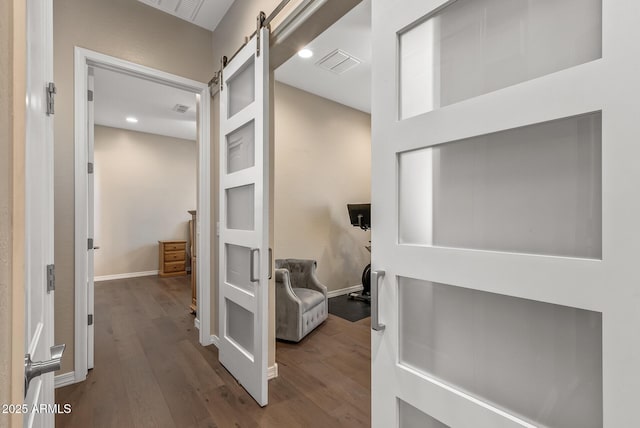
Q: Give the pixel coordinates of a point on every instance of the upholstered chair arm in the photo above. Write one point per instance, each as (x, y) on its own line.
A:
(288, 306)
(283, 284)
(315, 284)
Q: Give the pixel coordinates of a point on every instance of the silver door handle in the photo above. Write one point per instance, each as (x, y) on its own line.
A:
(375, 323)
(96, 248)
(35, 369)
(252, 274)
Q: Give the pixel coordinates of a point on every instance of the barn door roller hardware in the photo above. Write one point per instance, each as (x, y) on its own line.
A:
(262, 20)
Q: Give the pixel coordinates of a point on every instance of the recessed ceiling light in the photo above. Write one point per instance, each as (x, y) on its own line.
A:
(131, 119)
(305, 53)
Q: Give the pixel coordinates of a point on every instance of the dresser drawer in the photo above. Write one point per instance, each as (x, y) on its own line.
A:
(173, 267)
(175, 246)
(174, 256)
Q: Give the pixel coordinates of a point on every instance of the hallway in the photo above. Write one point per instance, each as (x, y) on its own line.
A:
(150, 370)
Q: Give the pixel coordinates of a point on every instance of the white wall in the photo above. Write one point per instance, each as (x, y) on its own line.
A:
(322, 163)
(144, 186)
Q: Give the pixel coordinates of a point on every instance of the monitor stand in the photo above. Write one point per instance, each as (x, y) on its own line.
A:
(365, 294)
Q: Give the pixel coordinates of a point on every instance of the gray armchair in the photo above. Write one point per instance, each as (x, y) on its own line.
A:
(301, 301)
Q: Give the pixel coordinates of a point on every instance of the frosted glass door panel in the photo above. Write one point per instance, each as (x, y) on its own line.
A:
(535, 189)
(240, 326)
(242, 88)
(241, 148)
(410, 417)
(419, 53)
(415, 216)
(473, 47)
(240, 207)
(540, 361)
(238, 261)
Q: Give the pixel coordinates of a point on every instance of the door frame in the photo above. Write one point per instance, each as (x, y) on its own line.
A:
(82, 58)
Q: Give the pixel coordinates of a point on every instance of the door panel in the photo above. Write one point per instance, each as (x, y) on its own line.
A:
(244, 219)
(39, 208)
(491, 345)
(240, 207)
(240, 148)
(238, 258)
(534, 189)
(410, 417)
(502, 215)
(242, 88)
(472, 47)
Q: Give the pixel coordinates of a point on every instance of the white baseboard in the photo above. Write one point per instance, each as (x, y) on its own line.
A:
(343, 291)
(272, 372)
(212, 341)
(215, 341)
(196, 323)
(64, 379)
(125, 275)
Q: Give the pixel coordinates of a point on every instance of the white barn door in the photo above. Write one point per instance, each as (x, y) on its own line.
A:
(244, 216)
(506, 216)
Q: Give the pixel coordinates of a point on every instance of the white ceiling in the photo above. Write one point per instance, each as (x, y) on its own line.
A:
(118, 96)
(351, 34)
(204, 13)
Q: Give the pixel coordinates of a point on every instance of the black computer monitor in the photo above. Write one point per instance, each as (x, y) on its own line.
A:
(360, 215)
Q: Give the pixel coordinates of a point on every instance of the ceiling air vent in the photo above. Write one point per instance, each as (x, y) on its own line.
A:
(338, 62)
(185, 9)
(180, 108)
(188, 9)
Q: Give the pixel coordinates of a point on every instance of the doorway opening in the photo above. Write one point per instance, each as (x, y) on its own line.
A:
(322, 158)
(164, 181)
(322, 153)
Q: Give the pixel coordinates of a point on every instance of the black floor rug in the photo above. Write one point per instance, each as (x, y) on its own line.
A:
(349, 309)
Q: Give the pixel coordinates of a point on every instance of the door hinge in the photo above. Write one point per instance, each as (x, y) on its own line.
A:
(90, 244)
(90, 95)
(51, 278)
(51, 91)
(90, 168)
(90, 319)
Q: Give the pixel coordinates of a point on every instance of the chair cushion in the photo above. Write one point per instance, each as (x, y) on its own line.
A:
(309, 298)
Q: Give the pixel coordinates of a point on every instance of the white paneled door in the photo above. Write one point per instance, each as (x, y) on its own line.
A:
(41, 358)
(506, 239)
(244, 220)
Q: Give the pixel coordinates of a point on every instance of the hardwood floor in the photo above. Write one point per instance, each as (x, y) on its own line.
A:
(150, 370)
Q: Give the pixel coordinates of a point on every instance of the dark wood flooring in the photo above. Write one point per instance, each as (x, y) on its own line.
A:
(150, 370)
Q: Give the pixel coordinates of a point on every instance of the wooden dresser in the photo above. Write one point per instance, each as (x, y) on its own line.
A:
(194, 259)
(172, 258)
